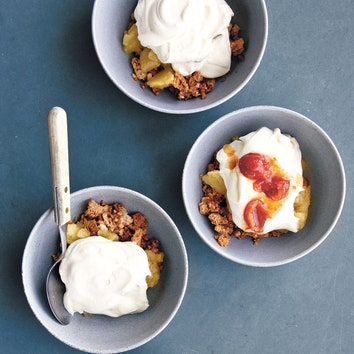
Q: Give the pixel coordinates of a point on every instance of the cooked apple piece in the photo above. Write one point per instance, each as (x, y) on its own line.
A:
(104, 232)
(131, 43)
(214, 180)
(148, 60)
(162, 79)
(302, 204)
(75, 232)
(155, 261)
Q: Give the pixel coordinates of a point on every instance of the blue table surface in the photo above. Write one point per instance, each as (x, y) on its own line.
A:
(47, 58)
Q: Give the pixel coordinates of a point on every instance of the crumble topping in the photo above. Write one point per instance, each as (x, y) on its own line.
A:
(182, 87)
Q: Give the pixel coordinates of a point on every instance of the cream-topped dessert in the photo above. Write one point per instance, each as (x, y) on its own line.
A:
(105, 277)
(262, 173)
(183, 46)
(255, 187)
(191, 35)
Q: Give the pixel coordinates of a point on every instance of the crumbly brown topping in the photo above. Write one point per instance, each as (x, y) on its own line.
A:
(194, 85)
(237, 43)
(117, 220)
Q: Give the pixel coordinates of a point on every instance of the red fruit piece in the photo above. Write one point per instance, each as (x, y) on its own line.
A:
(255, 215)
(254, 166)
(275, 188)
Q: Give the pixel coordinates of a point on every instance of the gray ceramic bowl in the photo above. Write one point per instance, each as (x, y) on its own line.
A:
(102, 334)
(111, 17)
(324, 170)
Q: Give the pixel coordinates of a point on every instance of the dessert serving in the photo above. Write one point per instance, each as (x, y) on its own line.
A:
(110, 262)
(182, 45)
(160, 239)
(254, 186)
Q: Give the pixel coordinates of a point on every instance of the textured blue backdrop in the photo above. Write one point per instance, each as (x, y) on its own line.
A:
(47, 59)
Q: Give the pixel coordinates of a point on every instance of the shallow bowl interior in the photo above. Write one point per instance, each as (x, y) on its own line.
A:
(103, 334)
(324, 170)
(111, 17)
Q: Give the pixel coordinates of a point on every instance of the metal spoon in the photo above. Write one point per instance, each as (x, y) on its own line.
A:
(59, 161)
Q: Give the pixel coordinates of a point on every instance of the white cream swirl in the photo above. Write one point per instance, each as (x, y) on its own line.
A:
(192, 35)
(105, 277)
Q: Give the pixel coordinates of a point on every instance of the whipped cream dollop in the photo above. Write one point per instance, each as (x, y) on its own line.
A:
(105, 277)
(192, 35)
(262, 173)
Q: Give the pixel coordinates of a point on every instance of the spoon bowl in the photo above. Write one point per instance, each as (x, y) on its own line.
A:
(59, 159)
(55, 287)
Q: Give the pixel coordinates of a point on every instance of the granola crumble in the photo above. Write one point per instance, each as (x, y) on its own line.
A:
(194, 85)
(117, 220)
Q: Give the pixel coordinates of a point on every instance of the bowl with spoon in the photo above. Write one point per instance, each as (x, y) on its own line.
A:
(101, 333)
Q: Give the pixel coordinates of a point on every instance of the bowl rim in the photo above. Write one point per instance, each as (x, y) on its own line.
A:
(185, 268)
(162, 109)
(216, 247)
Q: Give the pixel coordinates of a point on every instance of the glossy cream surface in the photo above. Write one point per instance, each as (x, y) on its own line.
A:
(240, 190)
(192, 35)
(105, 277)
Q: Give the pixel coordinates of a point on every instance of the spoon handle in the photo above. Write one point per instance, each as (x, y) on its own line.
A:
(59, 161)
